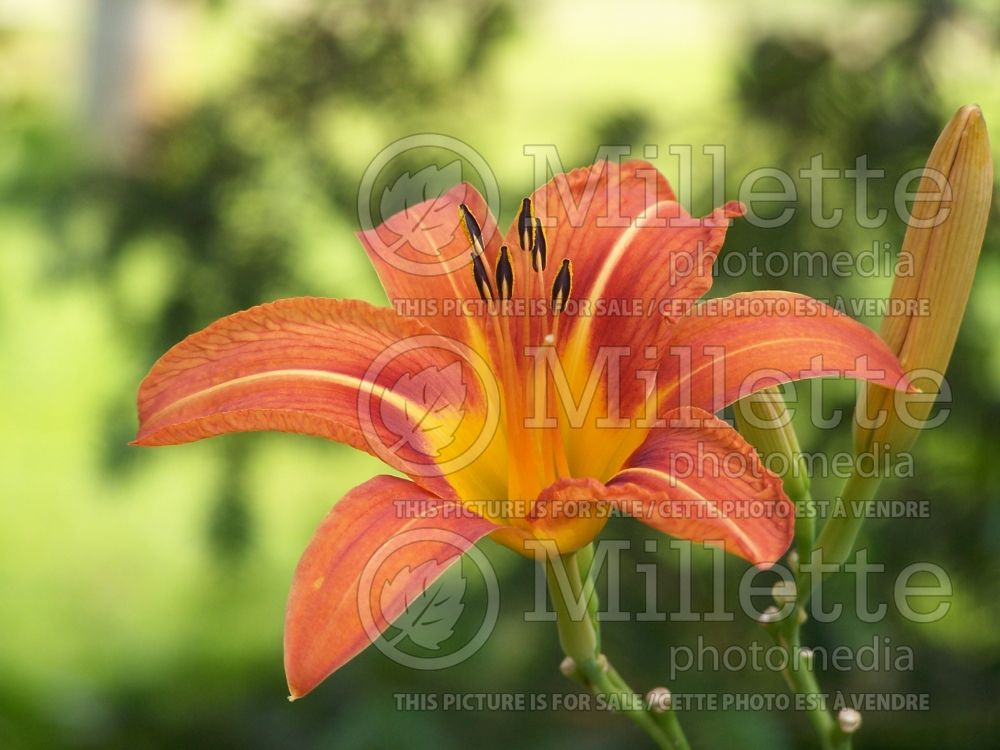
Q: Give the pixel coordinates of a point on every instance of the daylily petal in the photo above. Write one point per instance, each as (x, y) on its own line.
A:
(423, 259)
(586, 212)
(698, 479)
(633, 247)
(383, 544)
(590, 216)
(570, 513)
(665, 257)
(339, 369)
(727, 348)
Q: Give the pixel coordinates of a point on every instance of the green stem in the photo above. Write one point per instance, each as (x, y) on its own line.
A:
(604, 681)
(787, 633)
(585, 561)
(834, 546)
(667, 720)
(805, 520)
(802, 680)
(836, 540)
(576, 632)
(579, 638)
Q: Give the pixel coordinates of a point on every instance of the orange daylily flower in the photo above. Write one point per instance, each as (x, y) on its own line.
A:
(562, 369)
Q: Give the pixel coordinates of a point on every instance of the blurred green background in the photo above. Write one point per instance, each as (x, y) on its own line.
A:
(164, 163)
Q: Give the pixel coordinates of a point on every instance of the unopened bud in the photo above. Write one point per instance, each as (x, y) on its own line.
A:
(848, 720)
(784, 592)
(659, 700)
(793, 560)
(764, 420)
(937, 263)
(568, 666)
(769, 615)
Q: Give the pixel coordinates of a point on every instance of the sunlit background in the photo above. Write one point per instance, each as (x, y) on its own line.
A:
(164, 163)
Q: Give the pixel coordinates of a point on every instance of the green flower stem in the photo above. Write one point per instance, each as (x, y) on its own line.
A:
(836, 540)
(605, 681)
(585, 561)
(834, 545)
(787, 633)
(576, 634)
(805, 521)
(667, 719)
(579, 638)
(802, 680)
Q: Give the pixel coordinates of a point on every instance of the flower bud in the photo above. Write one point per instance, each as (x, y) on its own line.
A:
(764, 420)
(848, 720)
(784, 592)
(567, 666)
(937, 263)
(769, 616)
(659, 700)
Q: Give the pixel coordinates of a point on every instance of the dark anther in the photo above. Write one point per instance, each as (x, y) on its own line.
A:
(505, 275)
(472, 231)
(539, 250)
(526, 225)
(562, 287)
(482, 278)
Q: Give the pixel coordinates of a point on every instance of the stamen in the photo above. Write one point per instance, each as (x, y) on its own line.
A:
(553, 447)
(505, 275)
(482, 278)
(513, 402)
(472, 230)
(526, 225)
(539, 248)
(562, 287)
(511, 395)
